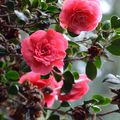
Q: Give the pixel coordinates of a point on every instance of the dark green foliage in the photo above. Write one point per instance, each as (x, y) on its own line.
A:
(91, 70)
(68, 81)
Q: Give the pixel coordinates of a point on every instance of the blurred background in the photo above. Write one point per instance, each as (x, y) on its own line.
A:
(109, 8)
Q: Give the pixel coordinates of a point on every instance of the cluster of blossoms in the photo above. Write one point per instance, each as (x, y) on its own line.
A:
(44, 50)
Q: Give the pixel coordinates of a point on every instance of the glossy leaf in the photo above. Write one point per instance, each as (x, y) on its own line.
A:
(57, 76)
(45, 76)
(12, 75)
(101, 100)
(65, 104)
(44, 5)
(76, 75)
(68, 81)
(72, 34)
(91, 70)
(115, 22)
(98, 62)
(96, 108)
(53, 9)
(54, 117)
(114, 47)
(13, 89)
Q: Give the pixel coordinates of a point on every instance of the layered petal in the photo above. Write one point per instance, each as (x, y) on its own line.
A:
(78, 90)
(80, 15)
(43, 50)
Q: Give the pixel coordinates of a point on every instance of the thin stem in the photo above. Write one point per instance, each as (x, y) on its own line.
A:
(93, 117)
(74, 59)
(5, 15)
(99, 117)
(103, 114)
(58, 111)
(82, 41)
(22, 26)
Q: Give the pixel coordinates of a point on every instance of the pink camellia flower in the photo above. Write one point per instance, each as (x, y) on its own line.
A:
(78, 90)
(80, 15)
(49, 87)
(42, 50)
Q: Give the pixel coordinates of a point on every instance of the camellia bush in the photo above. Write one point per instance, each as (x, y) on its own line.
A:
(39, 41)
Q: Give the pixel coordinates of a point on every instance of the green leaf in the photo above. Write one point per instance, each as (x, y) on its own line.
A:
(76, 75)
(69, 52)
(13, 89)
(35, 3)
(114, 47)
(73, 48)
(106, 101)
(69, 67)
(99, 26)
(66, 62)
(57, 70)
(44, 6)
(101, 100)
(91, 70)
(95, 108)
(117, 31)
(54, 117)
(65, 104)
(68, 81)
(57, 77)
(53, 9)
(49, 1)
(115, 22)
(106, 25)
(73, 44)
(2, 64)
(100, 37)
(98, 62)
(12, 75)
(45, 76)
(4, 79)
(72, 34)
(58, 28)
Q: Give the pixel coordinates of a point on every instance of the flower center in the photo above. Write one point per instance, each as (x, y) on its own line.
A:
(43, 52)
(79, 18)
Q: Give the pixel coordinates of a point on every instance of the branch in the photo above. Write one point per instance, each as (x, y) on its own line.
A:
(58, 111)
(7, 14)
(74, 59)
(93, 117)
(103, 114)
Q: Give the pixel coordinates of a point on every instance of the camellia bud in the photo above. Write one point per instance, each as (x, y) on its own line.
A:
(80, 113)
(94, 51)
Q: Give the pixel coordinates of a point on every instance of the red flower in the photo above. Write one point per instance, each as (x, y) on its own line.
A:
(80, 15)
(43, 50)
(79, 89)
(49, 87)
